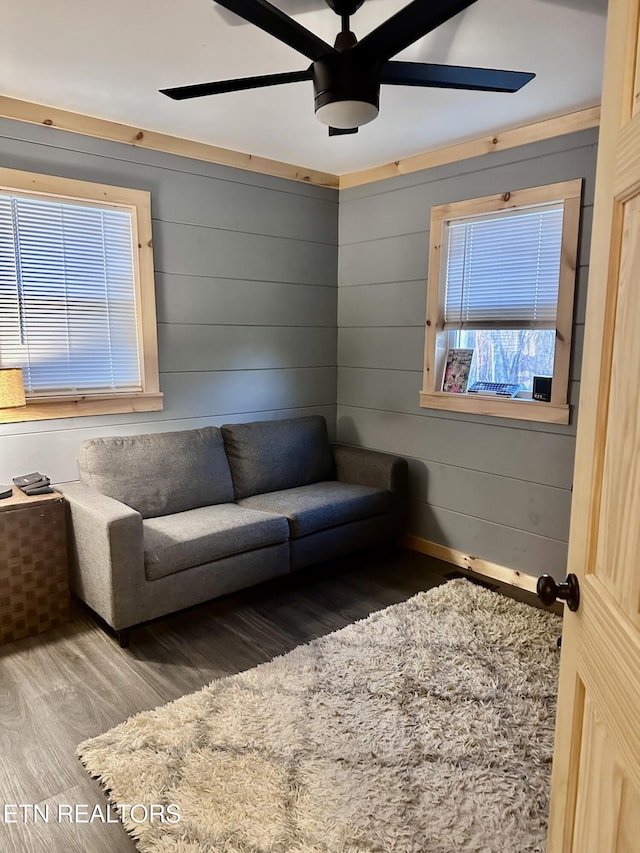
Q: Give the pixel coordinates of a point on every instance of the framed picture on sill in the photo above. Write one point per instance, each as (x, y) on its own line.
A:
(456, 371)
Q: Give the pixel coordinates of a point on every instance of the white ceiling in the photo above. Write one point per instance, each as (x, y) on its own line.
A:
(108, 59)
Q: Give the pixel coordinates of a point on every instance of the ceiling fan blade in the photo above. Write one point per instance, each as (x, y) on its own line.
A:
(198, 90)
(281, 26)
(341, 131)
(408, 25)
(453, 77)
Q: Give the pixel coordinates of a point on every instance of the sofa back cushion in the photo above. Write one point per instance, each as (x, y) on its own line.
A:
(268, 456)
(159, 473)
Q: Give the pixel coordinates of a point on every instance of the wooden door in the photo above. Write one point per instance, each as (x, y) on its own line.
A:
(595, 798)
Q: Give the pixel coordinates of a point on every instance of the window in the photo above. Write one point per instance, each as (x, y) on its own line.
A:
(501, 281)
(77, 304)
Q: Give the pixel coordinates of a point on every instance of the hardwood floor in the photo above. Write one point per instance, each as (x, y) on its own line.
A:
(58, 688)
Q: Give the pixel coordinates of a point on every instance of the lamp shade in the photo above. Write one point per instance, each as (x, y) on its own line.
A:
(11, 388)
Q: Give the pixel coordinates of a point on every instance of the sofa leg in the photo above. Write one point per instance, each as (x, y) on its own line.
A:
(123, 638)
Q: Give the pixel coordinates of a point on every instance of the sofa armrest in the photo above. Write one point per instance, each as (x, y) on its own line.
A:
(372, 468)
(107, 555)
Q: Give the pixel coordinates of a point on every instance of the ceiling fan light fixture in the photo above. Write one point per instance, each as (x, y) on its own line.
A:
(347, 90)
(345, 114)
(347, 77)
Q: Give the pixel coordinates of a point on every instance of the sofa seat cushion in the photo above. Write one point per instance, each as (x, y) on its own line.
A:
(321, 505)
(181, 541)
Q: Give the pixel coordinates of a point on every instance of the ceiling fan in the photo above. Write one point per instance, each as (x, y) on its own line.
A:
(347, 77)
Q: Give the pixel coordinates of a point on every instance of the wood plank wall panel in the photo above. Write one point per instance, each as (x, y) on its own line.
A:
(401, 348)
(451, 183)
(197, 250)
(511, 547)
(405, 257)
(190, 347)
(242, 302)
(535, 456)
(57, 447)
(246, 268)
(403, 303)
(458, 489)
(397, 391)
(496, 488)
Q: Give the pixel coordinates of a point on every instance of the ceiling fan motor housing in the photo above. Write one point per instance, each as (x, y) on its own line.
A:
(342, 77)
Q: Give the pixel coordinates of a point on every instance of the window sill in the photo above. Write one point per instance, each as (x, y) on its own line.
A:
(46, 408)
(518, 408)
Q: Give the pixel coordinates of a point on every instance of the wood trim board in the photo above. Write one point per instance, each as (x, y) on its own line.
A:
(38, 409)
(498, 407)
(14, 108)
(536, 132)
(487, 569)
(27, 111)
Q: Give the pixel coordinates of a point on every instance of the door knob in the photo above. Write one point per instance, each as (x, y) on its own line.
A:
(549, 591)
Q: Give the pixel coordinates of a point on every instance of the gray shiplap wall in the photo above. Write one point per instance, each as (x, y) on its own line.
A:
(246, 296)
(246, 293)
(496, 488)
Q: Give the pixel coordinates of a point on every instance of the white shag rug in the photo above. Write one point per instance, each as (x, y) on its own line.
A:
(426, 728)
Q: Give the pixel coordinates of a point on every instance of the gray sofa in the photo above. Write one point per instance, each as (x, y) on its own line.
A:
(163, 521)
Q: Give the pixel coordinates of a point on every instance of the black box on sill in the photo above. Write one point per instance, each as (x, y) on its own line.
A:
(542, 388)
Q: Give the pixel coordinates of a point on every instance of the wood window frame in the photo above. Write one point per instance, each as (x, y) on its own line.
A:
(557, 410)
(138, 203)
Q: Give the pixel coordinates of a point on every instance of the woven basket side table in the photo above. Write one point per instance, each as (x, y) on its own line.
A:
(34, 586)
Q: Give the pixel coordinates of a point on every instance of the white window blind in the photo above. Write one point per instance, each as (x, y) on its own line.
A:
(503, 270)
(68, 296)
